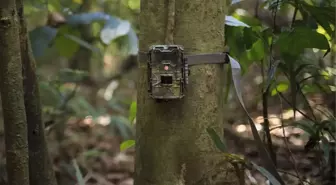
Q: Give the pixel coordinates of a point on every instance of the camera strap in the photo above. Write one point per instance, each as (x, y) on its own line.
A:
(212, 58)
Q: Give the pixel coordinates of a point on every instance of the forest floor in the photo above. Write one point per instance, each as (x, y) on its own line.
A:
(97, 152)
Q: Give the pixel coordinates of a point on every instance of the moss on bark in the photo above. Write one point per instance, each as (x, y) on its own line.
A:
(11, 89)
(40, 166)
(172, 144)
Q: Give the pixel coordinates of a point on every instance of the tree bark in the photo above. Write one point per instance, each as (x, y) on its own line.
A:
(11, 89)
(172, 145)
(40, 166)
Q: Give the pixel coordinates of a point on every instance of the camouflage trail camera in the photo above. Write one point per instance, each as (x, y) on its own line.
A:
(167, 74)
(168, 69)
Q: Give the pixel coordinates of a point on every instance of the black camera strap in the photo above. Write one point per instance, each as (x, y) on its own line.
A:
(211, 58)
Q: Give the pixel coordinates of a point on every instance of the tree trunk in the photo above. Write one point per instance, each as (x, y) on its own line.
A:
(172, 145)
(40, 166)
(12, 96)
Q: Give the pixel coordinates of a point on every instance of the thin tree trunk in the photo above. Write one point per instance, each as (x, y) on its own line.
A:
(12, 96)
(172, 145)
(40, 166)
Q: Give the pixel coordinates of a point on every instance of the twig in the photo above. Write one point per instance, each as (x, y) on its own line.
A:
(87, 177)
(295, 109)
(51, 123)
(294, 14)
(293, 175)
(101, 180)
(265, 94)
(286, 143)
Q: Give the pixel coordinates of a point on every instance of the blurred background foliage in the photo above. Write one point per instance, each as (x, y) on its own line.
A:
(86, 62)
(79, 44)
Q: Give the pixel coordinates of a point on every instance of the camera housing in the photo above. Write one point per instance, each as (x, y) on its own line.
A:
(167, 72)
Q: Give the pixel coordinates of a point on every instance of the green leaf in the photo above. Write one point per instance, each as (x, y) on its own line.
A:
(326, 149)
(239, 44)
(295, 41)
(79, 175)
(66, 47)
(132, 111)
(49, 94)
(332, 125)
(92, 153)
(127, 144)
(83, 43)
(306, 126)
(280, 87)
(82, 107)
(257, 52)
(304, 98)
(134, 4)
(216, 139)
(54, 5)
(121, 123)
(267, 174)
(70, 75)
(310, 88)
(325, 16)
(235, 40)
(250, 36)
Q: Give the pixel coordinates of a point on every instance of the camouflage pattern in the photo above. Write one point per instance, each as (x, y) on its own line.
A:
(166, 62)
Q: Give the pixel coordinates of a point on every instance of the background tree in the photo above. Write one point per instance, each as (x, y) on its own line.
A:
(11, 89)
(172, 144)
(40, 166)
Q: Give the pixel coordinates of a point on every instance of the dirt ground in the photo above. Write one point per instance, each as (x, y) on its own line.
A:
(97, 152)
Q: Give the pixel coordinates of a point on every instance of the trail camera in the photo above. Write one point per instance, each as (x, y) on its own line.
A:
(167, 72)
(168, 69)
